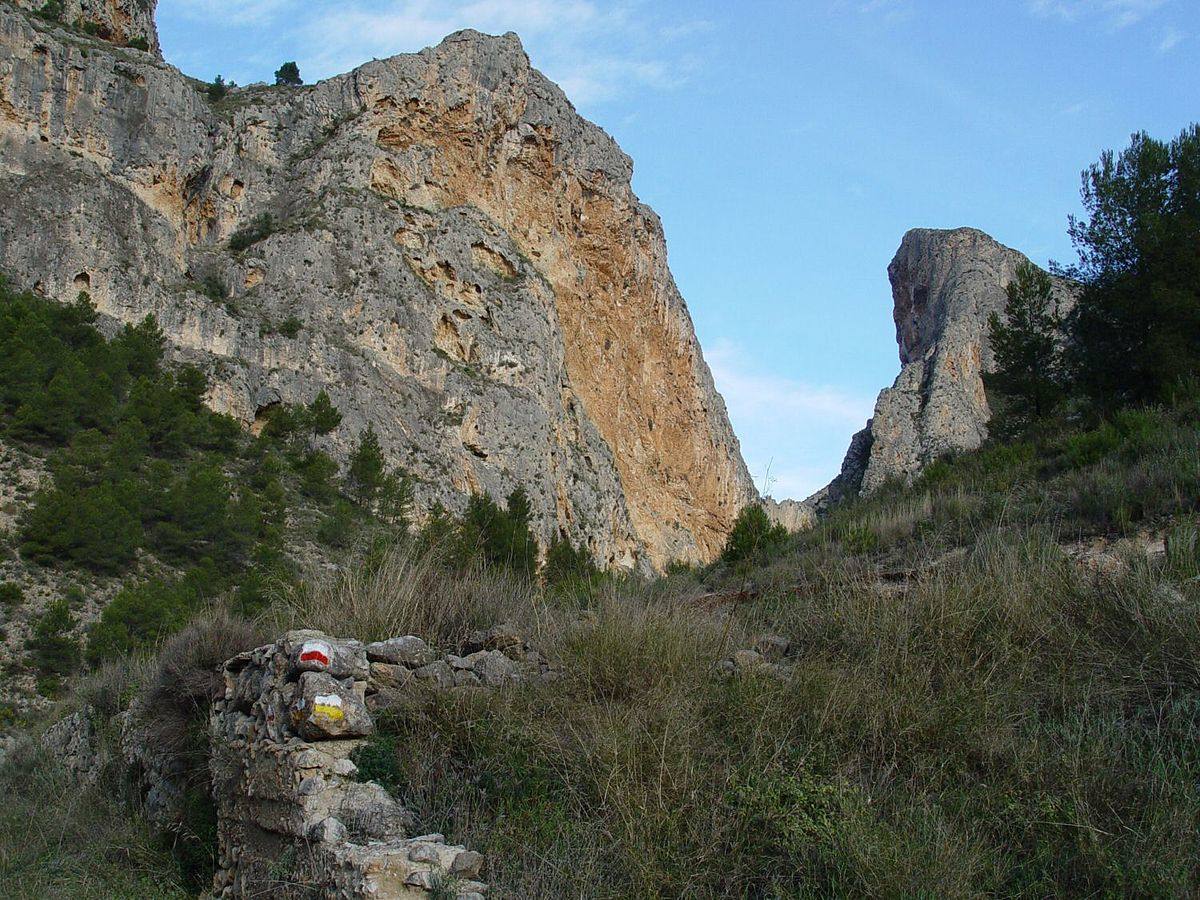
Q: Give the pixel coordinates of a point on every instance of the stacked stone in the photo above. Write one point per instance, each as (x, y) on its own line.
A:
(291, 816)
(494, 658)
(770, 655)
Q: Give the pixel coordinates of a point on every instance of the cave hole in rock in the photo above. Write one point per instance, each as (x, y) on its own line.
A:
(262, 416)
(83, 282)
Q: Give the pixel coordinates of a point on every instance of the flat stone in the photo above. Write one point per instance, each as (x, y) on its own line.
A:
(327, 708)
(312, 651)
(408, 650)
(438, 672)
(494, 668)
(772, 647)
(391, 676)
(467, 864)
(747, 659)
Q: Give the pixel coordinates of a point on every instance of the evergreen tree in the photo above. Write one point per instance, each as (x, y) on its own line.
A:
(52, 648)
(217, 90)
(365, 474)
(1025, 343)
(1136, 328)
(323, 416)
(396, 499)
(288, 74)
(568, 565)
(753, 536)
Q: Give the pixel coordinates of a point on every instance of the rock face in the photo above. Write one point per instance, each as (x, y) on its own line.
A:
(797, 515)
(119, 21)
(945, 285)
(458, 256)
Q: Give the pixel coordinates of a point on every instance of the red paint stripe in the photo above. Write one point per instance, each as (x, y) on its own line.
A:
(310, 655)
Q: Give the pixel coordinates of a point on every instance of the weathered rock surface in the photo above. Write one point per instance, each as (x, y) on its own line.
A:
(292, 819)
(469, 267)
(945, 285)
(118, 21)
(797, 515)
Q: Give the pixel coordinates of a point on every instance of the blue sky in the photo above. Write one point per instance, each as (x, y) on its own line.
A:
(789, 145)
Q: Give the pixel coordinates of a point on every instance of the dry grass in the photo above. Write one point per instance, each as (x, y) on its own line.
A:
(1008, 725)
(406, 590)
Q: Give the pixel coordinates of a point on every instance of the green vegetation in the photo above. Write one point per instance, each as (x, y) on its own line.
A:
(259, 229)
(60, 840)
(218, 89)
(139, 42)
(51, 10)
(288, 74)
(11, 595)
(1136, 330)
(290, 327)
(973, 699)
(1027, 347)
(753, 537)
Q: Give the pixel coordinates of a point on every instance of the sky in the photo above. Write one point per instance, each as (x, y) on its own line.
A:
(788, 145)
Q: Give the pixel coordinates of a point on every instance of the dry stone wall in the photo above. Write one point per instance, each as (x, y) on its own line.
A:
(293, 820)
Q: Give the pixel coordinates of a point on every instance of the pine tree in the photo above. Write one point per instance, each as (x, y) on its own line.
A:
(1026, 346)
(323, 416)
(1135, 331)
(288, 74)
(365, 475)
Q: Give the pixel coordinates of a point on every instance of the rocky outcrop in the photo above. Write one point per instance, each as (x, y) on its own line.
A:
(122, 22)
(945, 285)
(459, 256)
(797, 515)
(293, 820)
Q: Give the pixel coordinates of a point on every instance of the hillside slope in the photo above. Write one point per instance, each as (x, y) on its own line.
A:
(451, 251)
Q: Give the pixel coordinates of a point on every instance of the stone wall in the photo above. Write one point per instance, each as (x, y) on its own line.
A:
(292, 817)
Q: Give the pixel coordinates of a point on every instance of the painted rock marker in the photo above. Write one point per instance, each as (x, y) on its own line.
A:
(315, 653)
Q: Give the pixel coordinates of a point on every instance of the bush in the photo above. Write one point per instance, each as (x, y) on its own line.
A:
(259, 229)
(139, 42)
(290, 327)
(217, 90)
(53, 649)
(51, 10)
(11, 595)
(753, 536)
(141, 615)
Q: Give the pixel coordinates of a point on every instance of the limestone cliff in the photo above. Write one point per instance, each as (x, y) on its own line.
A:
(458, 256)
(945, 285)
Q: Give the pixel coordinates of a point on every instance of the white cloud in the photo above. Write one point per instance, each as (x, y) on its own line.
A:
(1114, 14)
(597, 51)
(793, 434)
(1171, 39)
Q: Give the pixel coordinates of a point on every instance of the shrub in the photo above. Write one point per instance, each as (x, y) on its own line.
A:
(139, 42)
(217, 90)
(259, 229)
(290, 327)
(753, 536)
(53, 649)
(11, 594)
(214, 288)
(51, 10)
(140, 615)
